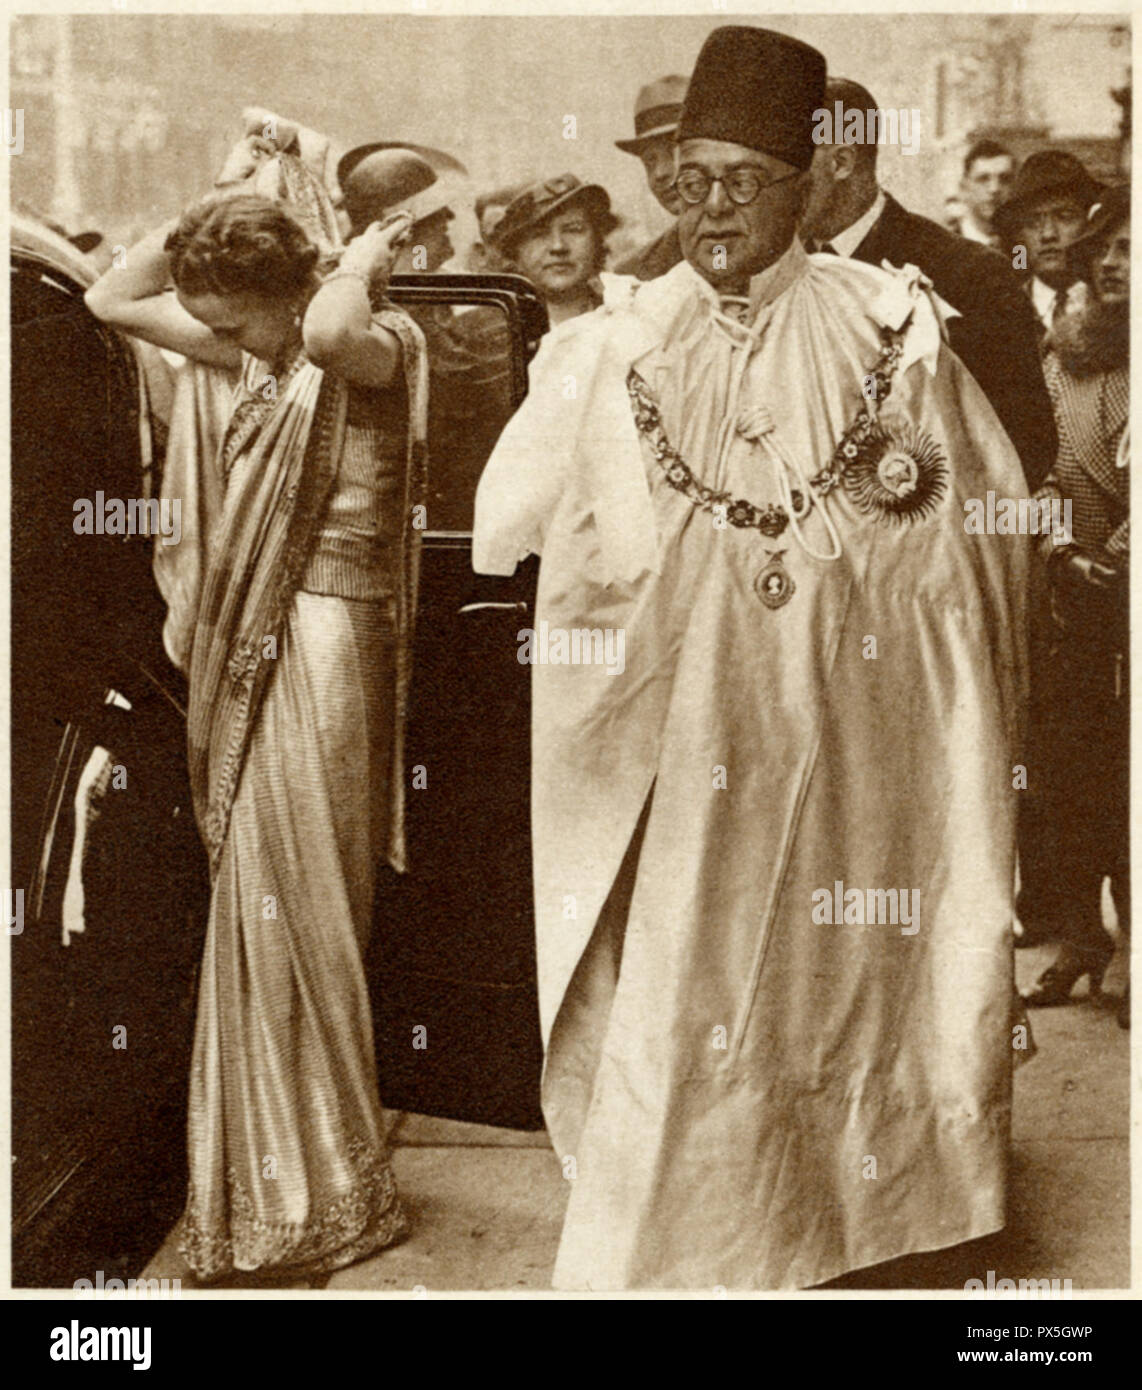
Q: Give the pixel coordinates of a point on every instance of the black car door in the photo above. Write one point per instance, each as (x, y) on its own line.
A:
(101, 1013)
(452, 964)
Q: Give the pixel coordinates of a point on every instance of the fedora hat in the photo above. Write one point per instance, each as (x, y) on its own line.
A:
(1045, 174)
(538, 201)
(656, 112)
(390, 178)
(1112, 208)
(756, 88)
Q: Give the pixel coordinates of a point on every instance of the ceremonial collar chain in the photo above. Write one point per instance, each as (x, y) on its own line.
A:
(771, 520)
(876, 387)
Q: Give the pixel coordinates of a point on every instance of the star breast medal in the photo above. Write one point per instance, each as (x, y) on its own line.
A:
(774, 584)
(896, 473)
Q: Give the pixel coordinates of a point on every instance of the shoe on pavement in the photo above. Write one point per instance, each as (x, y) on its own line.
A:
(1054, 985)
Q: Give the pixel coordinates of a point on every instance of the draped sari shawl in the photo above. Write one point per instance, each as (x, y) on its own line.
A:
(282, 458)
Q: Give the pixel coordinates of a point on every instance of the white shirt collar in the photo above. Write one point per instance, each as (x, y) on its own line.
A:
(1048, 302)
(846, 242)
(1043, 297)
(972, 231)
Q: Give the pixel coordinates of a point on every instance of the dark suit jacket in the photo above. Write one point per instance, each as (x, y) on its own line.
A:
(997, 335)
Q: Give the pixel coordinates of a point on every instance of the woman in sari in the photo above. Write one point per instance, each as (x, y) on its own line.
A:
(298, 678)
(279, 159)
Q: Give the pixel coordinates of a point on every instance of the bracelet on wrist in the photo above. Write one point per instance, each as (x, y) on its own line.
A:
(347, 273)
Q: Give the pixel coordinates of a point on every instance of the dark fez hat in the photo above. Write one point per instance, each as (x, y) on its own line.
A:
(756, 88)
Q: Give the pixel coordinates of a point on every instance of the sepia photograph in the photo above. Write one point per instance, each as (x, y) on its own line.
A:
(568, 660)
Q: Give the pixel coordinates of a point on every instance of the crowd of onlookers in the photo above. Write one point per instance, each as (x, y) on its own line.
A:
(1034, 258)
(1068, 237)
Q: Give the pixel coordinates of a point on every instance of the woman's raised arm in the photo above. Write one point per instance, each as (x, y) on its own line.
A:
(340, 335)
(137, 297)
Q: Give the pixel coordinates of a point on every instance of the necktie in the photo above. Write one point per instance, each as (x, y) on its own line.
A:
(1049, 322)
(828, 249)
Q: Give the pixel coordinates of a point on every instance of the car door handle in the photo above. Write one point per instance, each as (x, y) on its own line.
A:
(519, 607)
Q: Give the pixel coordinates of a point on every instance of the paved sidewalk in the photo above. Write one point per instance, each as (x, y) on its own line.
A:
(487, 1204)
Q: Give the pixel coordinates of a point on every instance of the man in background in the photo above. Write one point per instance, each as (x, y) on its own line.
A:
(469, 349)
(989, 169)
(1046, 213)
(483, 258)
(377, 180)
(994, 335)
(656, 116)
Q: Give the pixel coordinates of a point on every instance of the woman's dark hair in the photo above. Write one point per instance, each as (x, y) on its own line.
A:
(241, 245)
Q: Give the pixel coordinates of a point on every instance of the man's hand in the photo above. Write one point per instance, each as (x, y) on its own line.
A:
(1085, 591)
(1073, 567)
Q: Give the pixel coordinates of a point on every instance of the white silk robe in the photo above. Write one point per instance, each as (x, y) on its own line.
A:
(752, 1098)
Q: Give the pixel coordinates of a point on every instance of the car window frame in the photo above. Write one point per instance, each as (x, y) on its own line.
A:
(526, 316)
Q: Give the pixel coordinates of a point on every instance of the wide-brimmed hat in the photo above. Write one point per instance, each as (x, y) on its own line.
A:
(1045, 174)
(440, 160)
(541, 200)
(756, 88)
(1112, 208)
(394, 178)
(86, 241)
(657, 110)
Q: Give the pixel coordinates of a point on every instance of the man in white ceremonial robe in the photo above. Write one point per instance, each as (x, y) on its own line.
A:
(774, 855)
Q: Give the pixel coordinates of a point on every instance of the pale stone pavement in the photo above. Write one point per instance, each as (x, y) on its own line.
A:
(486, 1204)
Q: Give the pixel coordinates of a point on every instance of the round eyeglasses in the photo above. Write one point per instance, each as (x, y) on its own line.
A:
(742, 185)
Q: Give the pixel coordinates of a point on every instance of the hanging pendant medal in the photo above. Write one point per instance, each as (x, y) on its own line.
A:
(774, 584)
